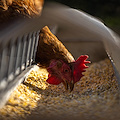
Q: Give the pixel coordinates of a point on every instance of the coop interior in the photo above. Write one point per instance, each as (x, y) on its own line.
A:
(95, 96)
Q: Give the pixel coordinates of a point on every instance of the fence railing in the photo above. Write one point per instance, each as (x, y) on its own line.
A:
(17, 55)
(18, 46)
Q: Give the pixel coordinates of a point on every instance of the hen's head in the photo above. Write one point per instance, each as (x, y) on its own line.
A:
(68, 74)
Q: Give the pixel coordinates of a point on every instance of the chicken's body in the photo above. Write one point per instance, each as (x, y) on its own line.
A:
(52, 55)
(49, 48)
(14, 9)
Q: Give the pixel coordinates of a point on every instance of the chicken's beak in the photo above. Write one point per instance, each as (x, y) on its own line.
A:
(65, 83)
(69, 84)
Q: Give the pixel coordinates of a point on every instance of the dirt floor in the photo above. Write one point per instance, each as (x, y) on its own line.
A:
(95, 97)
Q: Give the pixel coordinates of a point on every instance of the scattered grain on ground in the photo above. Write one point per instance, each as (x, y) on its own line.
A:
(94, 97)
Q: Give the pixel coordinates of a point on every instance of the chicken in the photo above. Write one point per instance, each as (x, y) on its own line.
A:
(11, 9)
(52, 55)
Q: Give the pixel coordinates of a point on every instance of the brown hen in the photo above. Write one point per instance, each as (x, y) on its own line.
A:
(49, 48)
(52, 55)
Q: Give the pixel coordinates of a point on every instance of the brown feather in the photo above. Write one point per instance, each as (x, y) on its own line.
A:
(49, 47)
(11, 9)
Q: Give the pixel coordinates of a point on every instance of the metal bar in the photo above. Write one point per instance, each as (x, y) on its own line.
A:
(24, 52)
(32, 47)
(36, 43)
(27, 62)
(11, 62)
(21, 53)
(4, 63)
(17, 66)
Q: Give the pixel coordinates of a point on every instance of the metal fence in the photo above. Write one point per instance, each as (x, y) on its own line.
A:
(17, 55)
(18, 46)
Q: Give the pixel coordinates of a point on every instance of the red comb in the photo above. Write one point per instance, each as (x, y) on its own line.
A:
(79, 67)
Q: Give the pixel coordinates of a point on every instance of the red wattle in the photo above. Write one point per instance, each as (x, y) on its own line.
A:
(53, 80)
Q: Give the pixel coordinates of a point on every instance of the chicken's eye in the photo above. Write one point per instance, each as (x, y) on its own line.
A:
(66, 70)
